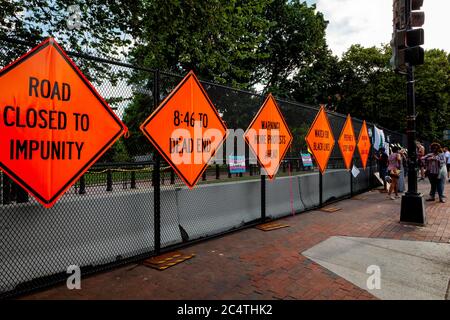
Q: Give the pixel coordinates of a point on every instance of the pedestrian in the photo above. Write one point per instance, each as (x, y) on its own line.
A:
(434, 162)
(420, 150)
(382, 159)
(401, 180)
(447, 161)
(394, 161)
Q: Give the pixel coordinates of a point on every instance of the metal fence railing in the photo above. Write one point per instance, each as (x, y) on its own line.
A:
(130, 205)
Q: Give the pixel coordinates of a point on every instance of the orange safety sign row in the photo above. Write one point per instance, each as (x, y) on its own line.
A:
(54, 126)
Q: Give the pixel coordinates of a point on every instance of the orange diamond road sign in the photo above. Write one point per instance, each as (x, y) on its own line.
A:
(269, 137)
(347, 142)
(364, 144)
(186, 129)
(53, 123)
(320, 139)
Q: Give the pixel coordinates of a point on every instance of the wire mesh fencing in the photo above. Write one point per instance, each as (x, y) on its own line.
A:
(131, 204)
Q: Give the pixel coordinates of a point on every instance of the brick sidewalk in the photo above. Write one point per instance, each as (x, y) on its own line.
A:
(252, 264)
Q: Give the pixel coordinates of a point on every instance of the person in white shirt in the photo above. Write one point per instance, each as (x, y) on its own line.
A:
(447, 161)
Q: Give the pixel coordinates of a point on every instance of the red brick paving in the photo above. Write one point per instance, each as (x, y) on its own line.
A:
(252, 264)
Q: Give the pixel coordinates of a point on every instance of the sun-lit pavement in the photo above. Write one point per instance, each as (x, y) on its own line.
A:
(252, 264)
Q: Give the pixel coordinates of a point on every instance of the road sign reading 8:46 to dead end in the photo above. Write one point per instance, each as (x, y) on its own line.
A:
(186, 129)
(269, 137)
(53, 123)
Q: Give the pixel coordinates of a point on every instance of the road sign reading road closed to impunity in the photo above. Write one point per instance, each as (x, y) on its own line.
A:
(186, 129)
(53, 123)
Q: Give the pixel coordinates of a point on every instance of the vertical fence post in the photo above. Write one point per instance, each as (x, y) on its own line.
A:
(351, 179)
(263, 197)
(133, 180)
(6, 189)
(320, 188)
(109, 180)
(172, 176)
(156, 174)
(82, 185)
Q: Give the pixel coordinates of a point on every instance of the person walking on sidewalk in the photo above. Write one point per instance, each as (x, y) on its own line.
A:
(447, 161)
(420, 150)
(394, 172)
(382, 159)
(434, 163)
(401, 180)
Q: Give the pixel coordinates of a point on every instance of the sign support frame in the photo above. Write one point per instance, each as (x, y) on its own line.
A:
(263, 197)
(157, 174)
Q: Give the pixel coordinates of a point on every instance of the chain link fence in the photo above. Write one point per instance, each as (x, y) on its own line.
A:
(111, 215)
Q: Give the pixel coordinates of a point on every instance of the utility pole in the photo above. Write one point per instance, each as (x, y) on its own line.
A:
(407, 52)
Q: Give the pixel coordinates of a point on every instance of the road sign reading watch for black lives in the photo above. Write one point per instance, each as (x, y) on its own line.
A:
(53, 123)
(186, 129)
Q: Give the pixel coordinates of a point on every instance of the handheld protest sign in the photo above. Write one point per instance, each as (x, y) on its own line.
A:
(320, 139)
(53, 123)
(364, 144)
(269, 137)
(347, 142)
(186, 129)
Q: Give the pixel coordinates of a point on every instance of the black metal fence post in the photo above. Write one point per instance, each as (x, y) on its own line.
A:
(133, 180)
(351, 179)
(6, 189)
(156, 174)
(320, 188)
(82, 189)
(263, 197)
(109, 180)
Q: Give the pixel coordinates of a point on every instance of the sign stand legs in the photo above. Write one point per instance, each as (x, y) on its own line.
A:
(263, 197)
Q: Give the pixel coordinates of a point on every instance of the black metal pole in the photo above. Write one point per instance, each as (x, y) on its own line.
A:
(156, 173)
(351, 179)
(263, 197)
(6, 189)
(82, 185)
(320, 188)
(413, 207)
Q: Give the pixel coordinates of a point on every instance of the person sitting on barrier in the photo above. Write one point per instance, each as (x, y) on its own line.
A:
(394, 172)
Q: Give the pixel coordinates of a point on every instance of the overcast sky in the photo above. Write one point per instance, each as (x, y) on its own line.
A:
(369, 23)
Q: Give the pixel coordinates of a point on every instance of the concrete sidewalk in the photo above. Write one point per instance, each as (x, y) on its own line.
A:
(252, 264)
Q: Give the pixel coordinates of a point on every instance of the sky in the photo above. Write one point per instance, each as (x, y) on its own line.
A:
(369, 23)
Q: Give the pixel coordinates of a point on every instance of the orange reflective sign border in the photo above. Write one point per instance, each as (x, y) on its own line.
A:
(186, 129)
(320, 139)
(347, 142)
(269, 137)
(53, 123)
(364, 144)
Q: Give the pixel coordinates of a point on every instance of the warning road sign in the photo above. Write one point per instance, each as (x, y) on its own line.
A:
(364, 144)
(53, 123)
(186, 129)
(268, 136)
(320, 139)
(347, 142)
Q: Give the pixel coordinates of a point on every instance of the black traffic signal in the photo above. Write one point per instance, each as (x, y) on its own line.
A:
(406, 40)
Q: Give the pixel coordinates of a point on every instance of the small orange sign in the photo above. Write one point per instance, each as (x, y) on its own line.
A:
(320, 139)
(186, 129)
(269, 137)
(347, 142)
(53, 123)
(364, 144)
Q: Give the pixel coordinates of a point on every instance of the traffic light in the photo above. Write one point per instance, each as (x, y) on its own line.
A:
(407, 37)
